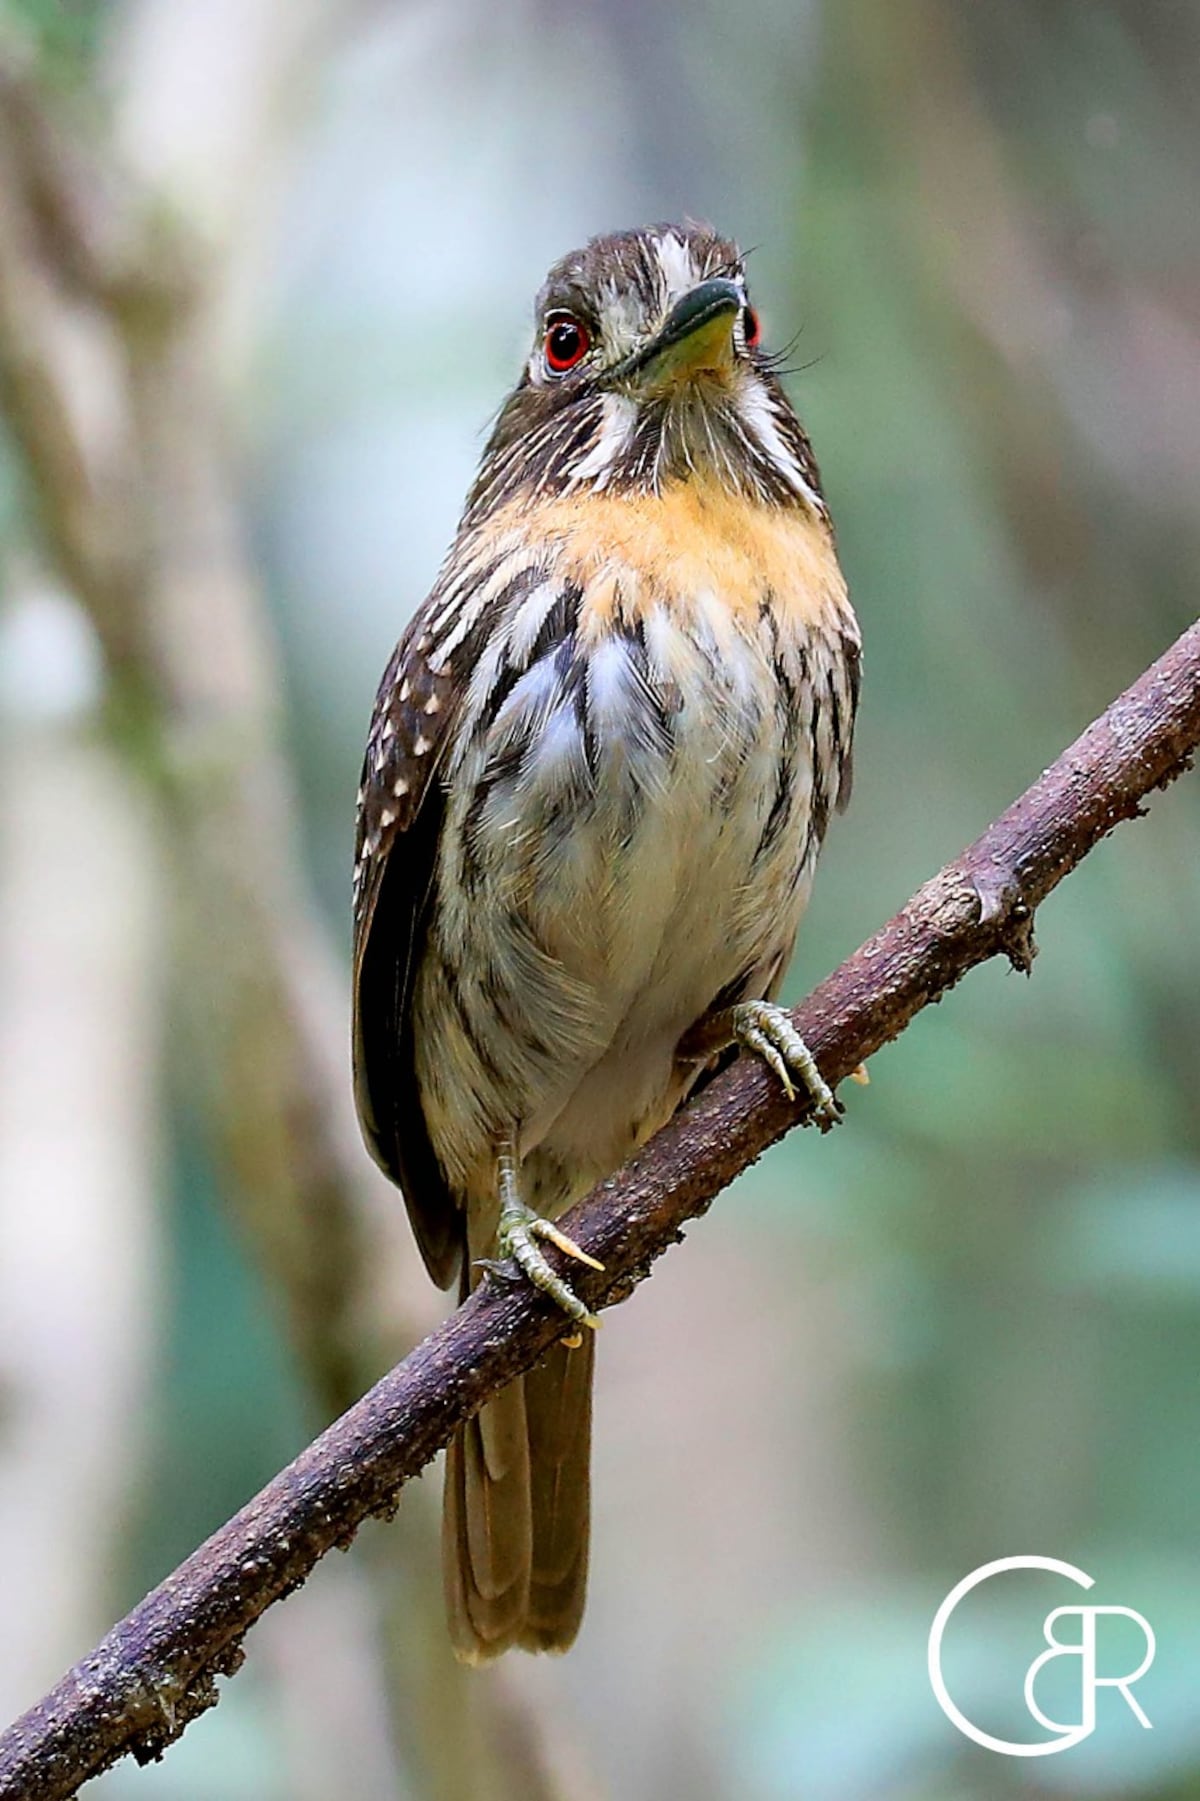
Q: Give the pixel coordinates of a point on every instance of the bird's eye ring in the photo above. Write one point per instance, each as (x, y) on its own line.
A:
(751, 328)
(566, 342)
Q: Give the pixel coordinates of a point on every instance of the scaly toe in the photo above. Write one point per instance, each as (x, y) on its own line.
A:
(545, 1228)
(520, 1229)
(768, 1032)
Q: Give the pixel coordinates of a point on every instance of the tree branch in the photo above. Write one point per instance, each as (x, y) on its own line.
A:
(157, 1669)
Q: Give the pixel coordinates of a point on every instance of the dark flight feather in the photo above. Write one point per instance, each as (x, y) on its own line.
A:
(399, 823)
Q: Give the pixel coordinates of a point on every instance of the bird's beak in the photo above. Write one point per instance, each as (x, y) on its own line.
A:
(696, 335)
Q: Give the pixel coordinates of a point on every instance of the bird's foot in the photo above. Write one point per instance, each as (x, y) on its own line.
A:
(520, 1230)
(765, 1029)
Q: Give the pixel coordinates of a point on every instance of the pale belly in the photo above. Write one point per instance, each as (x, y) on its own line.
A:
(638, 831)
(701, 922)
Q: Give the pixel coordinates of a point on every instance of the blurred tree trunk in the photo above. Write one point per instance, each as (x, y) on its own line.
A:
(81, 972)
(128, 274)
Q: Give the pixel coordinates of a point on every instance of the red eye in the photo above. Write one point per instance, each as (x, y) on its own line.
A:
(567, 342)
(751, 328)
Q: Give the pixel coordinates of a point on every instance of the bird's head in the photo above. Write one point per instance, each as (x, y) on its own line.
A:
(647, 369)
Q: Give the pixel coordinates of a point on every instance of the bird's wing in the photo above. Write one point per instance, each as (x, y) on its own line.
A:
(400, 809)
(847, 681)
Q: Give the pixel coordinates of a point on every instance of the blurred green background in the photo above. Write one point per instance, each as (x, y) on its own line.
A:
(967, 1325)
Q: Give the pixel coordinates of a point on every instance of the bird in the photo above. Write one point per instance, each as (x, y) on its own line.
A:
(598, 774)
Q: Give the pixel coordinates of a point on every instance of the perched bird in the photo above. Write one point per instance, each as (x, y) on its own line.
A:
(599, 771)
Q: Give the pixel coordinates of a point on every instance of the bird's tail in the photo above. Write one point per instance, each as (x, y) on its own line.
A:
(516, 1509)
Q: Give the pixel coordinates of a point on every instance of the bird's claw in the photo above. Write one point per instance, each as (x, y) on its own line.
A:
(767, 1030)
(520, 1229)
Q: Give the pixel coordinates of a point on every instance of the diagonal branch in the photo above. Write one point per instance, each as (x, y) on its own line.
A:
(157, 1669)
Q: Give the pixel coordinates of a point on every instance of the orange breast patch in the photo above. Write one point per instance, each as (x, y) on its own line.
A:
(628, 550)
